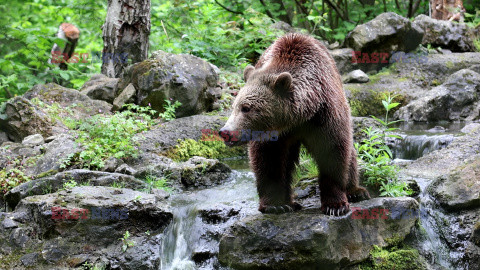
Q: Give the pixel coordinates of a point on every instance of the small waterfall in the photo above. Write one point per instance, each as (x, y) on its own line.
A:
(412, 147)
(175, 247)
(427, 238)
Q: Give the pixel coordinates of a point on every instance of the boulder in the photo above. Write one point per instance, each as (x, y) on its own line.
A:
(100, 87)
(86, 224)
(457, 37)
(386, 33)
(456, 99)
(53, 183)
(310, 240)
(20, 118)
(79, 105)
(184, 78)
(459, 189)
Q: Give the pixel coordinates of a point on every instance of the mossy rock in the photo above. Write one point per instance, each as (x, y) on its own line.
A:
(367, 103)
(188, 148)
(393, 258)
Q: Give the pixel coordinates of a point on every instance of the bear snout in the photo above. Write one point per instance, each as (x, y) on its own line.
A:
(229, 137)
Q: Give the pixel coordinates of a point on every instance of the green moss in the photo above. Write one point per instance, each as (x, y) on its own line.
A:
(11, 259)
(393, 258)
(188, 148)
(367, 103)
(47, 173)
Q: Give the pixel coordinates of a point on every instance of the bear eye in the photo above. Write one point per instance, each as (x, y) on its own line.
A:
(245, 109)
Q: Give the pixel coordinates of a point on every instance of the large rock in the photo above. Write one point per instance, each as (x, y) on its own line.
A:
(457, 37)
(100, 87)
(20, 118)
(456, 99)
(86, 225)
(344, 60)
(459, 189)
(309, 240)
(50, 184)
(385, 33)
(185, 78)
(80, 105)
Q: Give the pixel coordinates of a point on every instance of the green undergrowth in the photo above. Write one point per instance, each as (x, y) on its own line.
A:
(103, 136)
(185, 149)
(306, 168)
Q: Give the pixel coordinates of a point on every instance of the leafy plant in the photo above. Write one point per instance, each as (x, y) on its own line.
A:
(376, 156)
(169, 113)
(306, 167)
(12, 178)
(104, 136)
(125, 242)
(70, 184)
(157, 183)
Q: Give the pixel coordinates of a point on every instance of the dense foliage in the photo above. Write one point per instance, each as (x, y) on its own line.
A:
(227, 33)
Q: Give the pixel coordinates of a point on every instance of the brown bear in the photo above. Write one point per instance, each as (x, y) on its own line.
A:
(295, 89)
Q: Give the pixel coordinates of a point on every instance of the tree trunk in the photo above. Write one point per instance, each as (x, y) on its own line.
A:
(125, 35)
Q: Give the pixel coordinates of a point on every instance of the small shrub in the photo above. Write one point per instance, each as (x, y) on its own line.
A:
(376, 156)
(185, 149)
(169, 113)
(104, 136)
(157, 183)
(12, 178)
(306, 167)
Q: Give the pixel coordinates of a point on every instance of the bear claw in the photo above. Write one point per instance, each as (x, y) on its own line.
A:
(331, 211)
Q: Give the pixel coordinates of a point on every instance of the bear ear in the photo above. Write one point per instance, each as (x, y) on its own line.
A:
(283, 82)
(246, 73)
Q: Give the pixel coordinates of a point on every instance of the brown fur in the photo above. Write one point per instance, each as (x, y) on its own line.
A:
(295, 88)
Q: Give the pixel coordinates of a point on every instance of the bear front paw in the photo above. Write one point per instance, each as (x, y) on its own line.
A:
(338, 209)
(280, 209)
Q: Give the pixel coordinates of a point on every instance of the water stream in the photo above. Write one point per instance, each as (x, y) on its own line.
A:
(199, 218)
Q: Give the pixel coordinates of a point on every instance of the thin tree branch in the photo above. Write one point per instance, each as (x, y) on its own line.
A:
(269, 14)
(228, 9)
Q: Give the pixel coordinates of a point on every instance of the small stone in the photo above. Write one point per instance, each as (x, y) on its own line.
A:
(125, 96)
(35, 139)
(29, 259)
(356, 76)
(50, 139)
(111, 164)
(125, 169)
(8, 223)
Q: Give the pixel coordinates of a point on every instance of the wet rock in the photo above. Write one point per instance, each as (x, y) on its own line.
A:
(92, 234)
(356, 76)
(21, 118)
(35, 139)
(443, 162)
(126, 96)
(459, 189)
(185, 78)
(457, 37)
(470, 127)
(456, 99)
(55, 182)
(310, 240)
(100, 87)
(215, 215)
(199, 172)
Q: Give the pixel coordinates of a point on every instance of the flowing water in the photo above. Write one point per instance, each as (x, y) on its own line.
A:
(189, 235)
